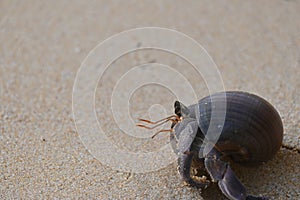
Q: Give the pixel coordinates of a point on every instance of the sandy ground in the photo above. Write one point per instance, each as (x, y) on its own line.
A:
(255, 45)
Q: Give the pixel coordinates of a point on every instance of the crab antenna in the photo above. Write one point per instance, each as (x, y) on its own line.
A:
(148, 127)
(174, 118)
(150, 122)
(164, 130)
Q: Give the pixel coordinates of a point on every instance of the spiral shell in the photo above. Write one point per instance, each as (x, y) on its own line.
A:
(252, 131)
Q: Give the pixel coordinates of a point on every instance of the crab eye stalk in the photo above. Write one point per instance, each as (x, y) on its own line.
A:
(177, 108)
(181, 110)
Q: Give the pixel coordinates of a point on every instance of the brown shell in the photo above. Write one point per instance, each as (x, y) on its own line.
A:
(252, 131)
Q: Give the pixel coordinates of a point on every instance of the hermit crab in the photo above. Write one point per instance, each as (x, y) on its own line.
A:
(251, 134)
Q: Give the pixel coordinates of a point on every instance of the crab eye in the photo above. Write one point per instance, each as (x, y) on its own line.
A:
(177, 108)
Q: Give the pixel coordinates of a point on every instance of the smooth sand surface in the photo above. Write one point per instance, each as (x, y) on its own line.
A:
(255, 44)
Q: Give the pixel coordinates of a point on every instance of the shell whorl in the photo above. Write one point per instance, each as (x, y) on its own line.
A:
(251, 123)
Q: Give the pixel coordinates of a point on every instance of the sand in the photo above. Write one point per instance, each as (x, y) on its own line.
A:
(254, 44)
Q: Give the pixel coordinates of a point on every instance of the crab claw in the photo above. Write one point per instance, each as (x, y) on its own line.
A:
(184, 167)
(231, 186)
(228, 182)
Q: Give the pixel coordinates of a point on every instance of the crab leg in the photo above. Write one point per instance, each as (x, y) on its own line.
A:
(228, 182)
(184, 168)
(185, 154)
